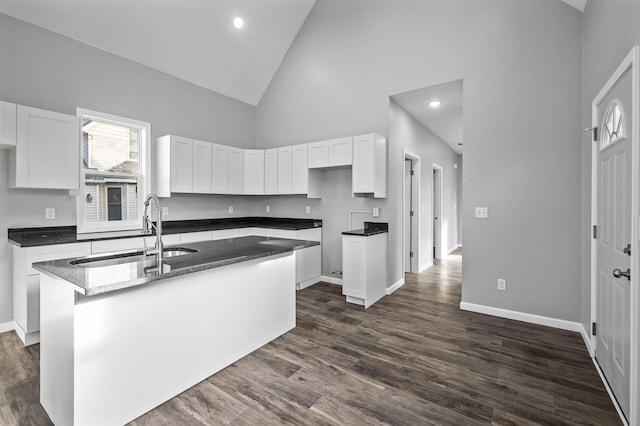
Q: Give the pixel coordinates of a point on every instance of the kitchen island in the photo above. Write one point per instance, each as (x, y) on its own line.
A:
(118, 340)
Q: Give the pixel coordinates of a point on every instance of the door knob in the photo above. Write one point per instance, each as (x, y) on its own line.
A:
(618, 273)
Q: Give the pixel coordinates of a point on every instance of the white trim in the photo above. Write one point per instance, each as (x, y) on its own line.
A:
(308, 283)
(632, 60)
(331, 280)
(586, 337)
(439, 246)
(7, 326)
(522, 316)
(610, 392)
(27, 339)
(455, 247)
(395, 286)
(426, 266)
(578, 4)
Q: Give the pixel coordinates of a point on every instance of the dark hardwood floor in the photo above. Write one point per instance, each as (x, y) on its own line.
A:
(411, 359)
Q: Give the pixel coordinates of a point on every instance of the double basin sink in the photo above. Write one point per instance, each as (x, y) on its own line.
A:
(140, 257)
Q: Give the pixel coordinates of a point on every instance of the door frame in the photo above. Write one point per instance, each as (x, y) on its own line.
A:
(437, 243)
(415, 234)
(632, 60)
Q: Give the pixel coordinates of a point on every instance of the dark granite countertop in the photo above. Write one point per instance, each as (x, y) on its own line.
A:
(370, 228)
(104, 274)
(32, 237)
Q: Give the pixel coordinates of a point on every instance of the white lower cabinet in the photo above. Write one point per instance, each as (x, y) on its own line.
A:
(308, 260)
(26, 284)
(364, 268)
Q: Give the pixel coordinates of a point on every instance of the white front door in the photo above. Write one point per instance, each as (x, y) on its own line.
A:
(613, 114)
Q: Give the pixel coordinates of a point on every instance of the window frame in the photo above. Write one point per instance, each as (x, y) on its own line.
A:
(144, 173)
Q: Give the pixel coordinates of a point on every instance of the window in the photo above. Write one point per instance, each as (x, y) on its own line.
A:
(612, 125)
(114, 172)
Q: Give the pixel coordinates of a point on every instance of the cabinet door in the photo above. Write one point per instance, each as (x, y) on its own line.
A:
(341, 152)
(271, 171)
(201, 167)
(7, 125)
(253, 171)
(220, 169)
(47, 150)
(318, 154)
(236, 170)
(363, 172)
(284, 170)
(299, 169)
(181, 164)
(354, 263)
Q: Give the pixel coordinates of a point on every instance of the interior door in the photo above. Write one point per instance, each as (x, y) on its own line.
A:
(613, 255)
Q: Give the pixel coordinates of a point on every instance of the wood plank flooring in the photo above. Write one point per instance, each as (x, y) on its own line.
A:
(411, 359)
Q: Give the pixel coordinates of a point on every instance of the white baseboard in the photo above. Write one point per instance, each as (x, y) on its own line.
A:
(425, 266)
(586, 337)
(455, 247)
(331, 280)
(610, 392)
(7, 326)
(395, 286)
(307, 283)
(27, 339)
(521, 316)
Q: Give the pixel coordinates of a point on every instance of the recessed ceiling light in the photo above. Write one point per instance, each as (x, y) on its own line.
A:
(434, 104)
(238, 23)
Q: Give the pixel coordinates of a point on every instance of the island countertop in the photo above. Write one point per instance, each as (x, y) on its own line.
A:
(104, 273)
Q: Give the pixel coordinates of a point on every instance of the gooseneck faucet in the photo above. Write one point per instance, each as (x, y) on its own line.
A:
(146, 229)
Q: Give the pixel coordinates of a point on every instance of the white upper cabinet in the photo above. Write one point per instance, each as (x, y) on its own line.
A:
(271, 171)
(253, 171)
(341, 152)
(318, 154)
(219, 169)
(369, 173)
(47, 153)
(284, 170)
(181, 164)
(202, 167)
(236, 170)
(299, 169)
(8, 125)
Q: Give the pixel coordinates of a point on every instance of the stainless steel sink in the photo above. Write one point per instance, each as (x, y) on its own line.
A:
(275, 242)
(177, 251)
(128, 257)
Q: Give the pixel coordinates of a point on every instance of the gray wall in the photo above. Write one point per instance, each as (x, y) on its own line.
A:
(45, 70)
(610, 31)
(522, 140)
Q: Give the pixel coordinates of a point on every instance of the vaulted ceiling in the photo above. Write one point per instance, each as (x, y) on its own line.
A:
(193, 40)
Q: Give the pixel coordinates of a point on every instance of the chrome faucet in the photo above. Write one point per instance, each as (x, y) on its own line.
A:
(146, 229)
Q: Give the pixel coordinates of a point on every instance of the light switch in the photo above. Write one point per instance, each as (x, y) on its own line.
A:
(376, 212)
(230, 209)
(268, 208)
(308, 209)
(482, 212)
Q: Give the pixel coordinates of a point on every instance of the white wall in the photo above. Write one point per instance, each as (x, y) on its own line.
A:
(45, 70)
(521, 64)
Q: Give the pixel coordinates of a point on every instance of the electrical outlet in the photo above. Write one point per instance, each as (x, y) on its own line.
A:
(165, 211)
(482, 212)
(49, 213)
(308, 209)
(376, 212)
(268, 208)
(230, 209)
(502, 284)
